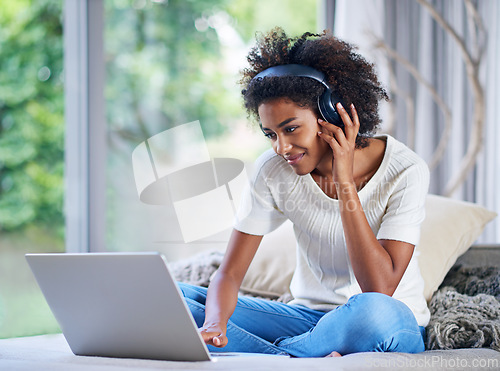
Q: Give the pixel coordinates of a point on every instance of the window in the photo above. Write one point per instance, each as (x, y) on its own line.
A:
(141, 67)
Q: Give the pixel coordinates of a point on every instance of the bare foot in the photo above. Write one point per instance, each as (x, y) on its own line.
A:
(334, 354)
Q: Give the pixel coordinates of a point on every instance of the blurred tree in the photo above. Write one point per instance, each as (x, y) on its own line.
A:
(294, 16)
(161, 70)
(31, 114)
(164, 61)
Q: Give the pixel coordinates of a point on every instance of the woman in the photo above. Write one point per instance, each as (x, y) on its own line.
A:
(356, 201)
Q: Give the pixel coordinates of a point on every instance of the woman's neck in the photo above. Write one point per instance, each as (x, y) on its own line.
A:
(367, 160)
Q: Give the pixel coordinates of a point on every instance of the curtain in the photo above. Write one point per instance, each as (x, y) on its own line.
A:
(448, 117)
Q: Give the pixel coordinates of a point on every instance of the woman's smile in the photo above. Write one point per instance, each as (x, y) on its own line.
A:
(294, 159)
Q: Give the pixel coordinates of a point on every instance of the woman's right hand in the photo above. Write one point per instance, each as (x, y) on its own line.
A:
(214, 334)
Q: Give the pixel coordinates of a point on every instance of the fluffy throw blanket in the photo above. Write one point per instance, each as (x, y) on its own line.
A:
(197, 270)
(465, 311)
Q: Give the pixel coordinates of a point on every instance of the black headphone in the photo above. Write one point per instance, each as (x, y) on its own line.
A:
(326, 101)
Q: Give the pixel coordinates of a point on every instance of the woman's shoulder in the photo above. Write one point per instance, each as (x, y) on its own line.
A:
(399, 155)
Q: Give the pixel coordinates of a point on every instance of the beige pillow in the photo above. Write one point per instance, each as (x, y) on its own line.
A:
(449, 229)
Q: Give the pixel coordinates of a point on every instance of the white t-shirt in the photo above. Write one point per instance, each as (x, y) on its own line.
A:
(393, 201)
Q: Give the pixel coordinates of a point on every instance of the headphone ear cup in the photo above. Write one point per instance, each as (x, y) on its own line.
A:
(326, 104)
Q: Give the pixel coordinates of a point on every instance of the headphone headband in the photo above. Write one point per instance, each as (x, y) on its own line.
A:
(293, 70)
(326, 101)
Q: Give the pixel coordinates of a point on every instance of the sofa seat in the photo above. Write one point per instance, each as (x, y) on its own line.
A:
(51, 352)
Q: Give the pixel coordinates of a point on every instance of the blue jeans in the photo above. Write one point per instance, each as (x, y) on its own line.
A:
(368, 322)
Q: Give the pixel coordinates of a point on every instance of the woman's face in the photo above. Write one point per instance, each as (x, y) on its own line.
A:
(293, 132)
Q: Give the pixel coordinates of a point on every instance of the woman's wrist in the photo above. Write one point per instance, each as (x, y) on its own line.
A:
(215, 324)
(347, 195)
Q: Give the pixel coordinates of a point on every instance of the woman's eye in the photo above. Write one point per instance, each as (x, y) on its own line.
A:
(269, 135)
(290, 129)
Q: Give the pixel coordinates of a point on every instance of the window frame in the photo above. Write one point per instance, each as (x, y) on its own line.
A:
(85, 134)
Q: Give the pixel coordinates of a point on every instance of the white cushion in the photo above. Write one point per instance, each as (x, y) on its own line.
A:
(449, 229)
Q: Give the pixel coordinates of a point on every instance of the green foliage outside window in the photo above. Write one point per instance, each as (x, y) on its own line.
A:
(160, 71)
(31, 114)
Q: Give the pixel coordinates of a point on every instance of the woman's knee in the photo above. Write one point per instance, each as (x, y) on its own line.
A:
(382, 312)
(390, 321)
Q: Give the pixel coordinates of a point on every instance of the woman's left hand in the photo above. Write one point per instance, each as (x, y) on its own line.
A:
(343, 144)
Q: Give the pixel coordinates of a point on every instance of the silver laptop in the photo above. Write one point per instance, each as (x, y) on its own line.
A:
(119, 305)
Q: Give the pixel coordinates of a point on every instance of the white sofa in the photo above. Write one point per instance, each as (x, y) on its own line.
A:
(448, 232)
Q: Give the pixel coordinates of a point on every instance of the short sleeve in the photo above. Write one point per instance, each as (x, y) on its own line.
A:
(258, 213)
(405, 210)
